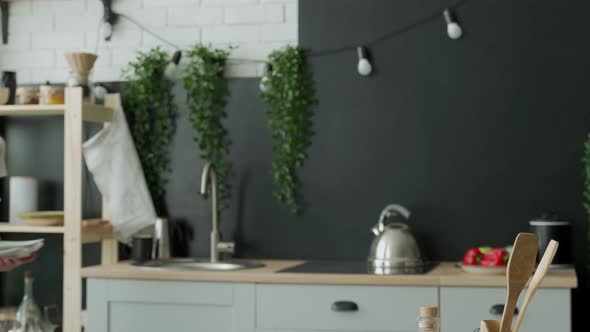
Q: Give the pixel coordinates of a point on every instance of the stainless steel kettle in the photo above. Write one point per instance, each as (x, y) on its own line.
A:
(393, 246)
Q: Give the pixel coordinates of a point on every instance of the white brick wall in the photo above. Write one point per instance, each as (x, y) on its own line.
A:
(42, 30)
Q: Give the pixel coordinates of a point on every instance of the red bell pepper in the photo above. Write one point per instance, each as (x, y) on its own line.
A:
(495, 257)
(472, 256)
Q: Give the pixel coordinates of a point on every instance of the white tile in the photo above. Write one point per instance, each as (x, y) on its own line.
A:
(61, 7)
(180, 36)
(83, 23)
(194, 16)
(53, 40)
(236, 70)
(272, 13)
(279, 32)
(254, 51)
(122, 56)
(152, 18)
(226, 2)
(30, 23)
(10, 60)
(53, 75)
(17, 41)
(230, 34)
(292, 13)
(109, 74)
(120, 38)
(169, 3)
(125, 6)
(23, 76)
(20, 8)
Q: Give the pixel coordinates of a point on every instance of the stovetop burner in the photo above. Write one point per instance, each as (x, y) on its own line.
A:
(355, 267)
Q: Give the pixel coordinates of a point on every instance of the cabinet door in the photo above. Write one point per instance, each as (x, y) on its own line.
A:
(462, 308)
(155, 306)
(314, 307)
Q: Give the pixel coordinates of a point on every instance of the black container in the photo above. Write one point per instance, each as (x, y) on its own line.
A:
(551, 227)
(142, 248)
(8, 80)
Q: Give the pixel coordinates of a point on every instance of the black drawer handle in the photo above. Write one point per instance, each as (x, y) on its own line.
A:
(344, 306)
(498, 310)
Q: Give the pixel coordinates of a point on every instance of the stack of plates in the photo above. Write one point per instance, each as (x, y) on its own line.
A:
(43, 218)
(19, 249)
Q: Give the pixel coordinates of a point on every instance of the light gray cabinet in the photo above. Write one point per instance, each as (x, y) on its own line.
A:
(310, 307)
(153, 306)
(463, 307)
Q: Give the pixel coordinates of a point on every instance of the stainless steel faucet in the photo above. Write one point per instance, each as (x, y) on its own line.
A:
(217, 246)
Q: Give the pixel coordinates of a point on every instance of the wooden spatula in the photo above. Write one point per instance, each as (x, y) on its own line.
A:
(489, 326)
(538, 277)
(520, 268)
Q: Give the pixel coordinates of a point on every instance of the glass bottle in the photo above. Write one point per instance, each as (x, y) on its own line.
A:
(28, 317)
(428, 319)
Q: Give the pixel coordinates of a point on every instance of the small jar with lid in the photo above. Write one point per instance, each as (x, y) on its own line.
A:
(428, 319)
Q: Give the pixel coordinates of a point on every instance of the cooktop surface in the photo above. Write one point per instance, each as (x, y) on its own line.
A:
(355, 267)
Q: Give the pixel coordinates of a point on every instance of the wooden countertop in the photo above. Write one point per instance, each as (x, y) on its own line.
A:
(445, 274)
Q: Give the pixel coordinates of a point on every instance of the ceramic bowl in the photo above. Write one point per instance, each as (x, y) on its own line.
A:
(4, 94)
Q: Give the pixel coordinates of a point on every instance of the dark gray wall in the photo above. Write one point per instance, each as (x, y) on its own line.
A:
(475, 136)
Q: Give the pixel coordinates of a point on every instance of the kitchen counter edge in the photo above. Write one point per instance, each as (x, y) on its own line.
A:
(445, 274)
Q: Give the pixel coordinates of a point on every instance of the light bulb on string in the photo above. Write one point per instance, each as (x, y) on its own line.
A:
(172, 70)
(454, 30)
(109, 18)
(106, 30)
(264, 80)
(364, 66)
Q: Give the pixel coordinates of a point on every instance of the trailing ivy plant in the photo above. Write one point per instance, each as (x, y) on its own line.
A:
(149, 103)
(207, 94)
(289, 94)
(586, 160)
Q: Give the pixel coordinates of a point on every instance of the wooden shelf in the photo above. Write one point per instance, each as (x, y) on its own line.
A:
(11, 228)
(31, 110)
(93, 230)
(91, 112)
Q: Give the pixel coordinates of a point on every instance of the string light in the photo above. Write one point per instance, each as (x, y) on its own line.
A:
(364, 66)
(453, 28)
(109, 18)
(263, 85)
(172, 70)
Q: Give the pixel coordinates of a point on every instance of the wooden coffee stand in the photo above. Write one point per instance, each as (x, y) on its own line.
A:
(76, 231)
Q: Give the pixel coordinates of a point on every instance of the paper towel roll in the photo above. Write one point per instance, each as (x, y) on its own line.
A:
(22, 196)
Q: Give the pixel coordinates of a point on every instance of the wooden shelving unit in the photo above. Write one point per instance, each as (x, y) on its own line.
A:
(75, 230)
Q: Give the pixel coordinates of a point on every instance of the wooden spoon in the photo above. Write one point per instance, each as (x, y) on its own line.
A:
(538, 277)
(520, 268)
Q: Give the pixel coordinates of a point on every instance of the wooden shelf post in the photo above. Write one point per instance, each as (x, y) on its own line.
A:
(72, 281)
(109, 247)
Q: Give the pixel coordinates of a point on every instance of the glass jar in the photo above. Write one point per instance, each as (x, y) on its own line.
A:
(28, 317)
(428, 319)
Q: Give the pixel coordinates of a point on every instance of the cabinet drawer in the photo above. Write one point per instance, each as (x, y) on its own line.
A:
(392, 309)
(462, 308)
(170, 292)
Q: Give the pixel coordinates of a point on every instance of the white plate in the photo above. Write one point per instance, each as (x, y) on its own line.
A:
(485, 270)
(19, 249)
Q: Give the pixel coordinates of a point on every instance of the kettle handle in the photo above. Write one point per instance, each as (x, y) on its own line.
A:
(379, 227)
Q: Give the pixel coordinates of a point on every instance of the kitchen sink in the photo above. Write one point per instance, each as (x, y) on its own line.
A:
(197, 264)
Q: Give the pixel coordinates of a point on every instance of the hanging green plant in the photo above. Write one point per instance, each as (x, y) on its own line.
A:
(149, 103)
(289, 94)
(586, 161)
(207, 94)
